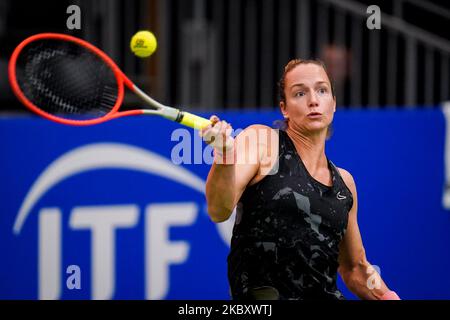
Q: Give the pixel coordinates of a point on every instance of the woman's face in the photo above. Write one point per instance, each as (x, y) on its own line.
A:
(310, 104)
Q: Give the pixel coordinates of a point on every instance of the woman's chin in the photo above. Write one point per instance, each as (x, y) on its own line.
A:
(316, 128)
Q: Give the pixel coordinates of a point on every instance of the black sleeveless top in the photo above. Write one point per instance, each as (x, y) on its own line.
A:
(287, 231)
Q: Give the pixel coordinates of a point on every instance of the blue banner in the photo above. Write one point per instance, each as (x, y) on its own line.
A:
(118, 211)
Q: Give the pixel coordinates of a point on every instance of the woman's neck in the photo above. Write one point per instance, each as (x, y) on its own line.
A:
(311, 149)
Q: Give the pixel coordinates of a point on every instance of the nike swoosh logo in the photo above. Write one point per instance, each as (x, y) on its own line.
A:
(340, 197)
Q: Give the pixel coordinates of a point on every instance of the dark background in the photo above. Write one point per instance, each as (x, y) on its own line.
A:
(230, 54)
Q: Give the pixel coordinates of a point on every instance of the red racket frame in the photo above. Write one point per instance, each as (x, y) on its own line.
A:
(121, 79)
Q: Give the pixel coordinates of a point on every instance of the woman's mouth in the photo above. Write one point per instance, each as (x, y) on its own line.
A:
(314, 115)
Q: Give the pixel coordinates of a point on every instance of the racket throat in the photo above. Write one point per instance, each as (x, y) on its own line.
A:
(182, 117)
(162, 110)
(168, 113)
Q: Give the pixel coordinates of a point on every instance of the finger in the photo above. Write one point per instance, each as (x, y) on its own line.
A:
(214, 119)
(228, 129)
(217, 127)
(210, 134)
(216, 134)
(224, 128)
(203, 131)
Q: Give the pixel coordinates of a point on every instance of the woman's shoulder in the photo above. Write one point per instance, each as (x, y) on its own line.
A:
(258, 144)
(259, 127)
(258, 133)
(348, 179)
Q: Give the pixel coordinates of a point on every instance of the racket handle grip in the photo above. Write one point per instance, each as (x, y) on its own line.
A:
(193, 121)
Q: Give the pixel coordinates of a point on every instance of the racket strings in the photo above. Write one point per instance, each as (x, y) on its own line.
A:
(65, 79)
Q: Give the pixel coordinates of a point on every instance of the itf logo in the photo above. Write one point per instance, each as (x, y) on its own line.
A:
(104, 221)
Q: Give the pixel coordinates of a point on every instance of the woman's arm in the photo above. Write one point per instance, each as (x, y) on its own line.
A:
(226, 182)
(357, 273)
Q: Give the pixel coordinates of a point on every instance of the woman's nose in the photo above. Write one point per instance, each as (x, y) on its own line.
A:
(313, 101)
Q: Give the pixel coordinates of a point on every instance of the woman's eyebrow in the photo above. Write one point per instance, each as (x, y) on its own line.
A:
(303, 85)
(298, 85)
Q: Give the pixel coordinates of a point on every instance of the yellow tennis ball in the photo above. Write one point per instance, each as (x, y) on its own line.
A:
(143, 44)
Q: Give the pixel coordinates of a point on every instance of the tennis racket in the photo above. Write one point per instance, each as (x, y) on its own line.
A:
(68, 80)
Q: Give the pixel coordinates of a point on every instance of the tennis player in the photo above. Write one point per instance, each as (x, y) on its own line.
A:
(296, 224)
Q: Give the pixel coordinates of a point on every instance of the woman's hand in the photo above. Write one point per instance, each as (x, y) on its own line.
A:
(218, 135)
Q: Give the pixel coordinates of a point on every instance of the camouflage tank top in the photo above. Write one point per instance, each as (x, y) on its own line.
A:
(287, 232)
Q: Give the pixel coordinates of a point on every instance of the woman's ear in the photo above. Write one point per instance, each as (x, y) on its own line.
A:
(283, 109)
